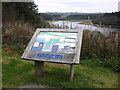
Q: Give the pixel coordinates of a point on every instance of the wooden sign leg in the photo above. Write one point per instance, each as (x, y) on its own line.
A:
(71, 71)
(39, 67)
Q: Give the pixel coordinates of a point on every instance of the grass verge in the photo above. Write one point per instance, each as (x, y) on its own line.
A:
(17, 72)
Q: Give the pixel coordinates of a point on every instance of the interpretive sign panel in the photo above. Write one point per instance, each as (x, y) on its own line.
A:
(55, 45)
(55, 42)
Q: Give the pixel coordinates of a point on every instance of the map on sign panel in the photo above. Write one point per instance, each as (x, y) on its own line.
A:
(55, 42)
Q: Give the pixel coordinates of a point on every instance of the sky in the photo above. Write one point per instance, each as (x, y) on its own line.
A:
(85, 6)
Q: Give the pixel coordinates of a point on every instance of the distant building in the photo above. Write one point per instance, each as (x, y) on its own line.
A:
(119, 6)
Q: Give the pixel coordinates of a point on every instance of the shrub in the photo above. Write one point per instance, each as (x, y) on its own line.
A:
(17, 33)
(97, 45)
(101, 49)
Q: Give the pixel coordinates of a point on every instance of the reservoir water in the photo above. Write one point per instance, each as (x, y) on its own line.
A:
(77, 25)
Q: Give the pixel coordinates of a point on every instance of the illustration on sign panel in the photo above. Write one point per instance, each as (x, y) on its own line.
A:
(55, 42)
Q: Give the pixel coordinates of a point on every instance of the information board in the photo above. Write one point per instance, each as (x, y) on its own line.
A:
(55, 45)
(55, 42)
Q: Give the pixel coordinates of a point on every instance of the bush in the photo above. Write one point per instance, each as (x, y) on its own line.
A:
(97, 45)
(113, 64)
(101, 49)
(17, 33)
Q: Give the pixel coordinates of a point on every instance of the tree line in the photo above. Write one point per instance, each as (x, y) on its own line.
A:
(112, 19)
(27, 12)
(19, 22)
(108, 19)
(81, 16)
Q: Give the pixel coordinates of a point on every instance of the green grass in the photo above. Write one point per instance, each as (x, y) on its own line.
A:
(17, 72)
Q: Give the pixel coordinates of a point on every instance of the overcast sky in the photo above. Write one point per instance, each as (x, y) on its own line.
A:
(77, 5)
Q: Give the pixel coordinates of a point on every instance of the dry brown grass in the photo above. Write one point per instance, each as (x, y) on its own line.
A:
(17, 32)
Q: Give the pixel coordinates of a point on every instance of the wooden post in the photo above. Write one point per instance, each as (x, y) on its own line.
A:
(39, 67)
(71, 71)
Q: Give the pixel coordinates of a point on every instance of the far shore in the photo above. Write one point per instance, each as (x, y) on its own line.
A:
(87, 22)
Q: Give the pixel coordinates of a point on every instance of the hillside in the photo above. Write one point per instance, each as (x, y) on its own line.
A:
(81, 16)
(71, 16)
(108, 19)
(111, 19)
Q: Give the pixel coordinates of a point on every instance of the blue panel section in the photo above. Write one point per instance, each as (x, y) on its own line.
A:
(49, 56)
(58, 56)
(34, 48)
(37, 48)
(66, 47)
(54, 48)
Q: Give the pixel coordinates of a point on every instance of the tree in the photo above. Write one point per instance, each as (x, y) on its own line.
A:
(27, 11)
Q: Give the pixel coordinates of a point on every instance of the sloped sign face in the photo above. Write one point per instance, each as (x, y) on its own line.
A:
(55, 45)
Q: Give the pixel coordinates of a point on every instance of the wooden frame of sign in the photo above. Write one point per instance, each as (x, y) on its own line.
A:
(54, 45)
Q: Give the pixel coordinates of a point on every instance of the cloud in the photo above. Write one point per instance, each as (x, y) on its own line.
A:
(77, 5)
